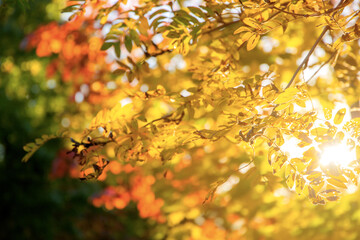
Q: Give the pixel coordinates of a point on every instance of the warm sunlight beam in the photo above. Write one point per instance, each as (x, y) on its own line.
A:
(337, 154)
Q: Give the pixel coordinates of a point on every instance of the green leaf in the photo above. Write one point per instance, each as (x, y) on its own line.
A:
(208, 10)
(32, 147)
(119, 71)
(135, 37)
(70, 8)
(106, 45)
(197, 12)
(128, 43)
(156, 22)
(157, 13)
(117, 49)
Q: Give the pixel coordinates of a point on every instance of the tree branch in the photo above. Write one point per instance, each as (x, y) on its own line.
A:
(341, 5)
(327, 61)
(306, 59)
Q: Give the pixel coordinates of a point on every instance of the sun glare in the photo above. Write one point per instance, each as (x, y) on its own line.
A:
(337, 154)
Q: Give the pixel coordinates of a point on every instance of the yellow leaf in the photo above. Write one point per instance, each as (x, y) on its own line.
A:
(320, 131)
(303, 137)
(299, 164)
(247, 36)
(317, 184)
(286, 96)
(265, 15)
(282, 107)
(331, 194)
(252, 23)
(339, 116)
(290, 176)
(351, 175)
(357, 152)
(253, 40)
(338, 43)
(314, 175)
(279, 162)
(311, 153)
(300, 103)
(160, 90)
(299, 183)
(272, 154)
(279, 138)
(103, 19)
(193, 213)
(175, 218)
(327, 113)
(272, 24)
(270, 132)
(339, 136)
(309, 192)
(242, 29)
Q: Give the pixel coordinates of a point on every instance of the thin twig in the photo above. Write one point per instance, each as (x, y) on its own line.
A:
(221, 26)
(341, 5)
(306, 59)
(327, 61)
(166, 118)
(294, 14)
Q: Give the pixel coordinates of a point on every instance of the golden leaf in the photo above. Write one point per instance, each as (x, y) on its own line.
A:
(242, 29)
(300, 103)
(339, 116)
(331, 194)
(279, 138)
(252, 23)
(286, 96)
(247, 36)
(327, 113)
(282, 106)
(290, 176)
(299, 164)
(313, 175)
(336, 182)
(253, 40)
(320, 131)
(299, 183)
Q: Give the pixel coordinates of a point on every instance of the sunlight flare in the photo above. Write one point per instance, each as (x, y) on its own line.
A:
(339, 154)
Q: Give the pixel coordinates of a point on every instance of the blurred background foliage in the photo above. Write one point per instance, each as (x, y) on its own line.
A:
(39, 201)
(35, 204)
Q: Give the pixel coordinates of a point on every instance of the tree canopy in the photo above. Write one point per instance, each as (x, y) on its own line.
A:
(216, 118)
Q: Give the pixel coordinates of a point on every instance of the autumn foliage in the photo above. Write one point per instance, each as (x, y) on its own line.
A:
(211, 117)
